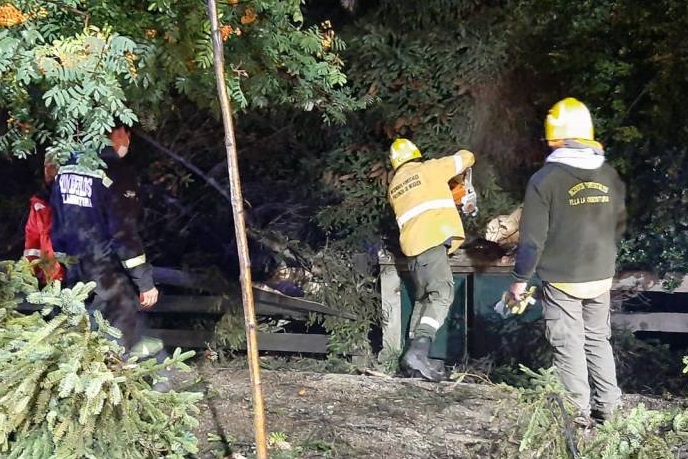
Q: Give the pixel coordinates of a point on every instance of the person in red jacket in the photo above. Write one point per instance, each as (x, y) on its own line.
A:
(37, 244)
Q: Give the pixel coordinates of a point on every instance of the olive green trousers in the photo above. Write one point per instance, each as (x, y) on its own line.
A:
(434, 291)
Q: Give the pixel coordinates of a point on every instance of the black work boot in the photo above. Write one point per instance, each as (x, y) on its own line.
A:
(416, 360)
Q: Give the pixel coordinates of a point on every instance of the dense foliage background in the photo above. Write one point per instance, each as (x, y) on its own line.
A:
(447, 73)
(320, 90)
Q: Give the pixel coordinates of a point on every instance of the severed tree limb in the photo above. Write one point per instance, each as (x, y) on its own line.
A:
(278, 247)
(274, 245)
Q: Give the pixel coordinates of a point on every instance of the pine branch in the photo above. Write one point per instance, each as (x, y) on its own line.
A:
(68, 392)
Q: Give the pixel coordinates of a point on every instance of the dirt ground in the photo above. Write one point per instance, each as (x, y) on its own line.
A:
(338, 415)
(317, 415)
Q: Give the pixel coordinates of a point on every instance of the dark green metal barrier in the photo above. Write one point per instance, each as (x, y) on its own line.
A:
(451, 340)
(477, 290)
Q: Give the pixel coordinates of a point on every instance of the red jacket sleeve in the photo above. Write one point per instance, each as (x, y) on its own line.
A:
(32, 230)
(37, 243)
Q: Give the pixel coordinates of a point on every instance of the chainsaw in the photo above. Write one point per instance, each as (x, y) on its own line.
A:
(508, 305)
(464, 194)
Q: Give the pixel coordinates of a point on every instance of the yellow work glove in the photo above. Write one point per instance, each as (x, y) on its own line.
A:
(509, 305)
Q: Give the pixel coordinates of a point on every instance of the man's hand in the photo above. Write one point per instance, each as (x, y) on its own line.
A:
(149, 298)
(517, 289)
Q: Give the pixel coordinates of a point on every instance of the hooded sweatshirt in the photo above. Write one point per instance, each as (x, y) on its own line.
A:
(573, 216)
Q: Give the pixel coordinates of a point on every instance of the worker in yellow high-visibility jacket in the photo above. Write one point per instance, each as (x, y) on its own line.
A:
(430, 229)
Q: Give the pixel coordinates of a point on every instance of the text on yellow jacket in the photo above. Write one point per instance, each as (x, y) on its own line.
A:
(422, 201)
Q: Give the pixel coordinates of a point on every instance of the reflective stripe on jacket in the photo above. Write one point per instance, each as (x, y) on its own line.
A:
(422, 201)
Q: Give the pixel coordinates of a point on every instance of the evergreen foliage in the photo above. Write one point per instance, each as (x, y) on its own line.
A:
(351, 290)
(540, 426)
(69, 391)
(546, 420)
(643, 433)
(338, 283)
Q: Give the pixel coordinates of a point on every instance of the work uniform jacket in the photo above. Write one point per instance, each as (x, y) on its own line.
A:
(96, 217)
(423, 204)
(572, 219)
(37, 243)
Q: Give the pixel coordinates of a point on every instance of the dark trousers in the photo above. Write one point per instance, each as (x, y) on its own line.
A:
(115, 295)
(434, 286)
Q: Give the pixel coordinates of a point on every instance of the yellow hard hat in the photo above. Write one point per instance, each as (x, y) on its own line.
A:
(402, 151)
(569, 119)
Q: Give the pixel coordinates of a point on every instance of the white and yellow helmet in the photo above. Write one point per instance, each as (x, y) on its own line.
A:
(402, 151)
(569, 119)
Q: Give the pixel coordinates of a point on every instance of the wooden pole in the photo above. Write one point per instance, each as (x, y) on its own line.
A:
(242, 242)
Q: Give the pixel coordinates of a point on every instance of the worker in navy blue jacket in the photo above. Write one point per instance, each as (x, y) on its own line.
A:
(95, 221)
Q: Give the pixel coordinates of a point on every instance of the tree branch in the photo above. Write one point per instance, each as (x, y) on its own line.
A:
(71, 9)
(190, 166)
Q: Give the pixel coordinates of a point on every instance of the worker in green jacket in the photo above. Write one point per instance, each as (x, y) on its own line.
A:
(573, 216)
